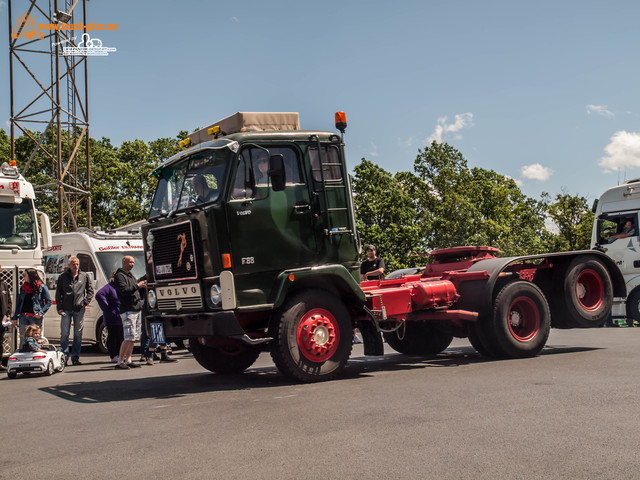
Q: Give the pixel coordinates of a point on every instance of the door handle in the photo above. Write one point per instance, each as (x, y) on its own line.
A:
(302, 207)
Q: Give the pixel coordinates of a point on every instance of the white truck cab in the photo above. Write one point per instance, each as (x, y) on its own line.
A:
(100, 253)
(613, 211)
(24, 233)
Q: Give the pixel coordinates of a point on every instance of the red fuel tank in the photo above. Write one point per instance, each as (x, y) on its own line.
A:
(435, 293)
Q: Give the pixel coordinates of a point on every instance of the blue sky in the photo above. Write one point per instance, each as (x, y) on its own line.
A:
(545, 92)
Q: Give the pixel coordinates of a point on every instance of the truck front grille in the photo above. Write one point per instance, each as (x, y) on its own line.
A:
(180, 304)
(174, 255)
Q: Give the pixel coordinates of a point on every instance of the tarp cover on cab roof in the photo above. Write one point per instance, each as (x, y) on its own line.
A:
(250, 122)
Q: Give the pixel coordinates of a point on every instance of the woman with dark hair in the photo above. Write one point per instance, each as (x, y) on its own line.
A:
(33, 301)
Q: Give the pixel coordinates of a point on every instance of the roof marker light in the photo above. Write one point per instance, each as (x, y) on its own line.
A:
(185, 142)
(341, 121)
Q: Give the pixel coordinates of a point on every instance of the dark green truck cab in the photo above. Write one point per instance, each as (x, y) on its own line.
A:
(240, 224)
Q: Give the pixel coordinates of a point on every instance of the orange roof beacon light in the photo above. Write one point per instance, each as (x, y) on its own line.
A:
(226, 260)
(341, 121)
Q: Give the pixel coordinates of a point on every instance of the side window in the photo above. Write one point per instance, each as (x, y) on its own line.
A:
(615, 227)
(330, 159)
(86, 264)
(254, 164)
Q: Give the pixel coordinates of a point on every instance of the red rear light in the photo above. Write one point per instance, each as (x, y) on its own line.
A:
(36, 357)
(13, 358)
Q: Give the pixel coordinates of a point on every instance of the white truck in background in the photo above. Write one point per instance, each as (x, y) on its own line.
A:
(100, 253)
(615, 207)
(24, 234)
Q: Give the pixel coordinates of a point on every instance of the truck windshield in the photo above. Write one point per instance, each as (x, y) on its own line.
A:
(192, 181)
(111, 261)
(18, 225)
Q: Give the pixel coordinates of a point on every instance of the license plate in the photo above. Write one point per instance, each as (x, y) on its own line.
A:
(157, 333)
(163, 269)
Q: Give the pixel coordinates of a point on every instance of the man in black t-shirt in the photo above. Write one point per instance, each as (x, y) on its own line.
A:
(373, 267)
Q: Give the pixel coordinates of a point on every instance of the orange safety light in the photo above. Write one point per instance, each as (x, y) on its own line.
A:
(226, 260)
(12, 163)
(292, 277)
(341, 121)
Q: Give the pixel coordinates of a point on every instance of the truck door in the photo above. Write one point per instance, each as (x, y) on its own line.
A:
(269, 231)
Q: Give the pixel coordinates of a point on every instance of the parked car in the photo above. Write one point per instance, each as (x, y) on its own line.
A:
(403, 272)
(52, 360)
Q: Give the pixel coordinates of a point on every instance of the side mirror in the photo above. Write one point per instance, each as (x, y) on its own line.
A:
(276, 172)
(45, 230)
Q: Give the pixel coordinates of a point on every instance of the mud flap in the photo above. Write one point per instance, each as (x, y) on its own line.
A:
(371, 338)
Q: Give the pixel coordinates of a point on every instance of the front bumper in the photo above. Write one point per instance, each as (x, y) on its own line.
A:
(224, 324)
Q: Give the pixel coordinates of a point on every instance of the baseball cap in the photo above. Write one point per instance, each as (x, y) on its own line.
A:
(370, 247)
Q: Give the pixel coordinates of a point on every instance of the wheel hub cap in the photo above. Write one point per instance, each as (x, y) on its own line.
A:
(318, 335)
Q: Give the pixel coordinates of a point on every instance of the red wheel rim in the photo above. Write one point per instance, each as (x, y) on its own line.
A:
(590, 289)
(318, 335)
(523, 318)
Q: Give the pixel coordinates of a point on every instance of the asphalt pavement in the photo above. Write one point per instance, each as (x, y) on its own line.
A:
(571, 412)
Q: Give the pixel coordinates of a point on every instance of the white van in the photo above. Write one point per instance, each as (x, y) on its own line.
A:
(100, 253)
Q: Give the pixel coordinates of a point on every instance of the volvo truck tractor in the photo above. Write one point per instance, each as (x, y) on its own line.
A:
(24, 233)
(615, 211)
(251, 245)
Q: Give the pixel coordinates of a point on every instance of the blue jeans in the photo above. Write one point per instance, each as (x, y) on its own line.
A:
(65, 328)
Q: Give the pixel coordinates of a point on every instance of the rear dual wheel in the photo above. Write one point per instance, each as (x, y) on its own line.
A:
(418, 338)
(519, 326)
(587, 293)
(312, 336)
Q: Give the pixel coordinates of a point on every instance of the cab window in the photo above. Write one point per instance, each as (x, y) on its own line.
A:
(253, 168)
(330, 163)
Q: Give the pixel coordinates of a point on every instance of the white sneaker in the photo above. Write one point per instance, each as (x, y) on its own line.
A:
(115, 359)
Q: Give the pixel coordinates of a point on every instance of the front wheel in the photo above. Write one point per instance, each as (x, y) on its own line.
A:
(521, 320)
(223, 355)
(101, 336)
(312, 336)
(633, 307)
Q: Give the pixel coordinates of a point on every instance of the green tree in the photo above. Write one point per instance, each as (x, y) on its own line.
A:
(574, 220)
(387, 214)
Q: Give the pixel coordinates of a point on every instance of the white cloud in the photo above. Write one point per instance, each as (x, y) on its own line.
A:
(374, 150)
(623, 151)
(235, 19)
(518, 182)
(461, 120)
(536, 172)
(3, 3)
(600, 110)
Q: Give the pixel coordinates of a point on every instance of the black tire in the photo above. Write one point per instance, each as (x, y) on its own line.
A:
(63, 364)
(633, 307)
(588, 292)
(224, 355)
(478, 337)
(101, 336)
(418, 338)
(521, 320)
(12, 374)
(50, 370)
(312, 336)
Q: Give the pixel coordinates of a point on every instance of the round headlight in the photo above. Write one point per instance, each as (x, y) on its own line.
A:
(214, 293)
(151, 298)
